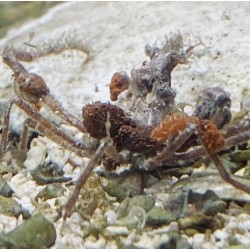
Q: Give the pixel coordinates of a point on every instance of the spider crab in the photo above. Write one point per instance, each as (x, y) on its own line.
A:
(142, 128)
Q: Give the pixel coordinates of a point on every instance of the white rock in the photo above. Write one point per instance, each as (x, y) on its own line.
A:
(117, 230)
(24, 187)
(221, 244)
(26, 203)
(7, 223)
(68, 169)
(99, 244)
(209, 243)
(69, 241)
(246, 224)
(244, 240)
(59, 156)
(111, 216)
(36, 155)
(111, 244)
(146, 241)
(198, 240)
(220, 234)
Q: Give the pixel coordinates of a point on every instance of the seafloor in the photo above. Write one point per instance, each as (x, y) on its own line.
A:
(116, 33)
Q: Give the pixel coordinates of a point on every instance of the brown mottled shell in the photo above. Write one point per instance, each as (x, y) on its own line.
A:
(212, 138)
(137, 139)
(172, 126)
(95, 116)
(119, 83)
(31, 87)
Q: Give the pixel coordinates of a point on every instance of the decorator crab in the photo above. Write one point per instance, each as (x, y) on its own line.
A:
(142, 129)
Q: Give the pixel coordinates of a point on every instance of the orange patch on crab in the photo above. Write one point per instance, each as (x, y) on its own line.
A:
(119, 83)
(212, 138)
(172, 126)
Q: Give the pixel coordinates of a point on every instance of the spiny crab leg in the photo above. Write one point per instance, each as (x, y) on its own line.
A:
(50, 129)
(213, 141)
(233, 130)
(32, 88)
(106, 146)
(83, 178)
(226, 176)
(235, 135)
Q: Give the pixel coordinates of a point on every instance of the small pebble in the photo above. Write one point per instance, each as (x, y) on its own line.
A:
(198, 240)
(220, 234)
(58, 156)
(7, 223)
(35, 157)
(99, 244)
(117, 230)
(70, 240)
(111, 216)
(242, 239)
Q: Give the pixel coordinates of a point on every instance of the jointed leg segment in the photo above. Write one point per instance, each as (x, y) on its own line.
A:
(47, 127)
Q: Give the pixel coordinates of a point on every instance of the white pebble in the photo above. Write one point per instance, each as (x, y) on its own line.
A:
(69, 241)
(221, 244)
(220, 234)
(26, 203)
(244, 240)
(111, 216)
(58, 156)
(198, 240)
(244, 221)
(7, 223)
(233, 224)
(36, 155)
(24, 187)
(117, 230)
(100, 243)
(146, 241)
(209, 243)
(67, 169)
(246, 224)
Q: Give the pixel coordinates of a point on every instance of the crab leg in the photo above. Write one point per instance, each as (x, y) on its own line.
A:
(32, 88)
(226, 176)
(50, 129)
(200, 151)
(28, 123)
(83, 178)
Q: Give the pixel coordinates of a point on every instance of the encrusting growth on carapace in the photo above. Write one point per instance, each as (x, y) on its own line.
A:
(210, 136)
(172, 126)
(119, 83)
(212, 139)
(142, 127)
